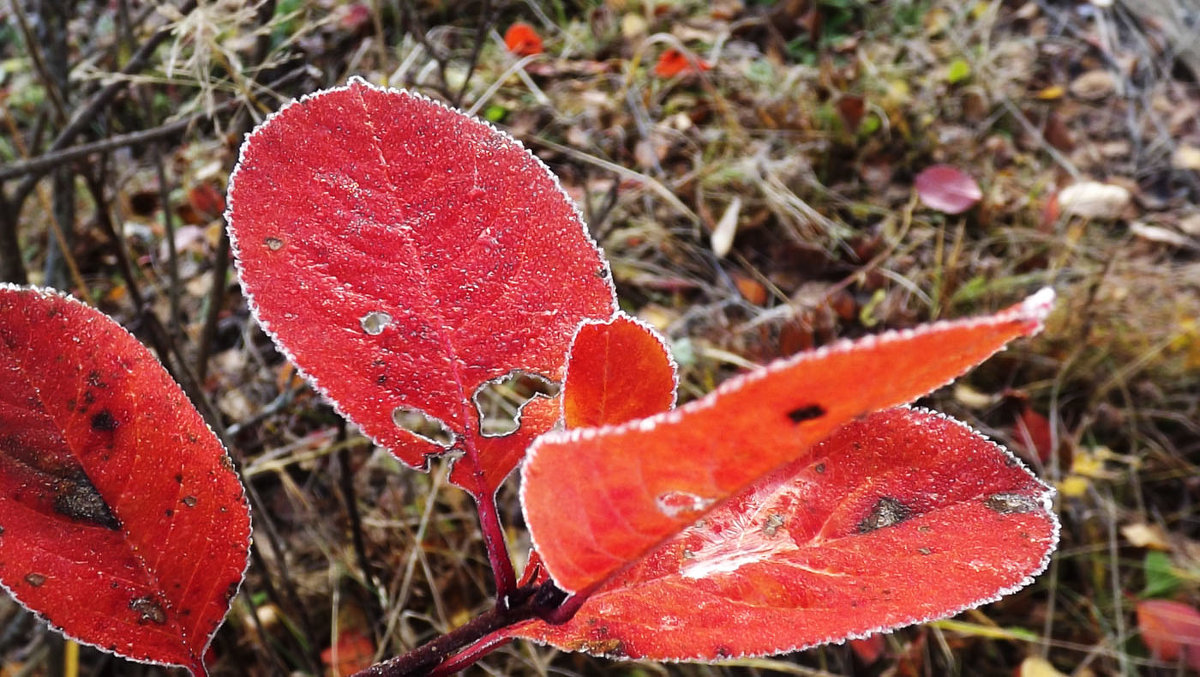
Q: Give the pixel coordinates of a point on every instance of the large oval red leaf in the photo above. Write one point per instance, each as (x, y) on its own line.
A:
(1171, 630)
(618, 370)
(122, 522)
(404, 254)
(598, 499)
(898, 518)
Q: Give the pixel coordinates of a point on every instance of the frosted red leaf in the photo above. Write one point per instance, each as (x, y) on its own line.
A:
(597, 500)
(1171, 630)
(122, 522)
(947, 189)
(618, 370)
(900, 517)
(403, 254)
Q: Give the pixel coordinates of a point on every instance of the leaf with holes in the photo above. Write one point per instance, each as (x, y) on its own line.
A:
(122, 522)
(664, 497)
(405, 255)
(900, 517)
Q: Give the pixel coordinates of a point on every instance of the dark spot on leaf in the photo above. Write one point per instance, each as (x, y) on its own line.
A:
(806, 413)
(723, 651)
(1009, 504)
(169, 512)
(148, 611)
(189, 501)
(1, 531)
(95, 379)
(231, 590)
(178, 478)
(36, 580)
(886, 513)
(78, 499)
(820, 469)
(104, 421)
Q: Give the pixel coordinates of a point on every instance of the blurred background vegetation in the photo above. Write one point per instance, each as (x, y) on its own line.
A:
(749, 166)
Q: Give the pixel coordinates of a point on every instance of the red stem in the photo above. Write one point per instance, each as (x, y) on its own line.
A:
(467, 644)
(469, 656)
(497, 548)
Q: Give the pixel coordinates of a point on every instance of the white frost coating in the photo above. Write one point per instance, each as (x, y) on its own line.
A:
(48, 291)
(235, 245)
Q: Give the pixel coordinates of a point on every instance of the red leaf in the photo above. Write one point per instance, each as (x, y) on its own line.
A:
(405, 254)
(673, 62)
(618, 370)
(599, 499)
(947, 189)
(354, 651)
(868, 649)
(898, 518)
(521, 39)
(122, 522)
(1170, 630)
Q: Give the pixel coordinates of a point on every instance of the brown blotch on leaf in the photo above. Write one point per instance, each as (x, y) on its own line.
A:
(886, 513)
(806, 413)
(36, 580)
(148, 611)
(1011, 504)
(103, 421)
(78, 499)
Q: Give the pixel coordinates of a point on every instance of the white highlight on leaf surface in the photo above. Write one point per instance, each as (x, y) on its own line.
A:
(675, 504)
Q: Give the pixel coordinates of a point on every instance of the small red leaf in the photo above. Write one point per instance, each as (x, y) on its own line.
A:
(673, 62)
(617, 371)
(405, 254)
(122, 522)
(900, 517)
(354, 651)
(599, 499)
(521, 39)
(947, 189)
(1170, 630)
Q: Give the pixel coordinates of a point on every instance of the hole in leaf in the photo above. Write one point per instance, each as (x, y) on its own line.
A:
(424, 426)
(375, 322)
(501, 400)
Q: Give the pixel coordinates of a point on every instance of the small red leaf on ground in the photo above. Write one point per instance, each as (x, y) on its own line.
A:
(1171, 630)
(900, 517)
(673, 62)
(597, 500)
(947, 189)
(122, 522)
(354, 651)
(1034, 434)
(617, 371)
(521, 39)
(404, 254)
